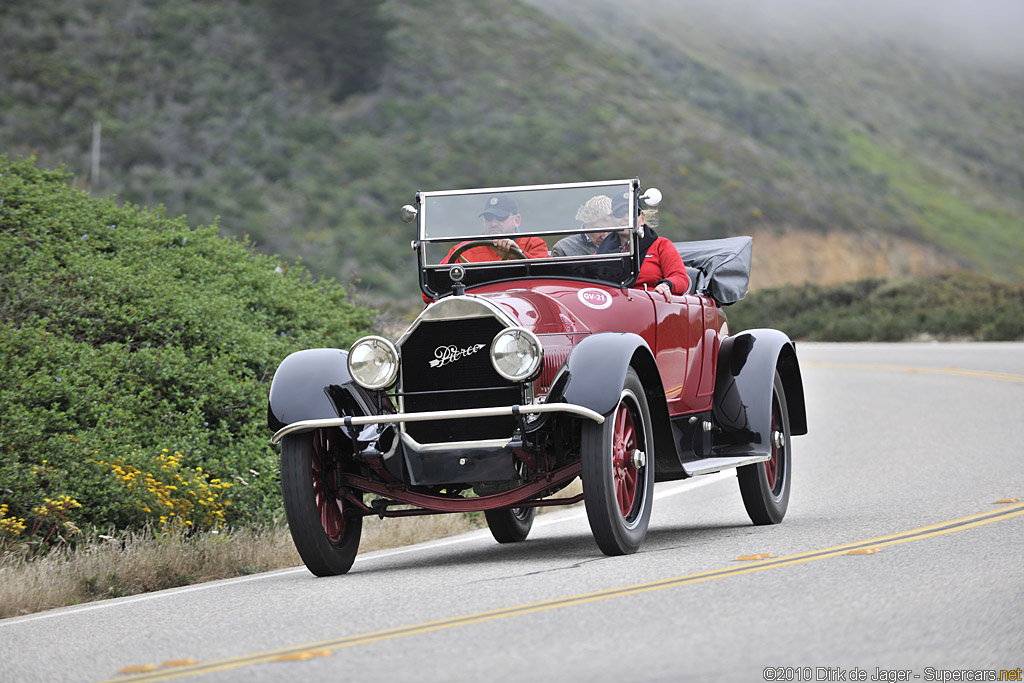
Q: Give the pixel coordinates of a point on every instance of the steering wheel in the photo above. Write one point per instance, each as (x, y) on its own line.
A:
(513, 252)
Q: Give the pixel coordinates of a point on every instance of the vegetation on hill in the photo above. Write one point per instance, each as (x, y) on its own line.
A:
(137, 355)
(893, 118)
(960, 306)
(306, 129)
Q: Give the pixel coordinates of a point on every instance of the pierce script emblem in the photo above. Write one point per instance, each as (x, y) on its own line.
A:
(443, 355)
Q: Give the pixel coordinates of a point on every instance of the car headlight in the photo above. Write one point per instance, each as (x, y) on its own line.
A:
(373, 362)
(516, 354)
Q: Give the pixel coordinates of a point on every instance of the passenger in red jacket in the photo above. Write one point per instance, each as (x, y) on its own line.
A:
(661, 267)
(501, 217)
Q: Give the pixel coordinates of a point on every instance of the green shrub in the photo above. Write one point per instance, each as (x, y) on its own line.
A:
(957, 305)
(128, 335)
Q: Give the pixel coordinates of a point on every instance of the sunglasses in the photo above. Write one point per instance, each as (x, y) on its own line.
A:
(492, 217)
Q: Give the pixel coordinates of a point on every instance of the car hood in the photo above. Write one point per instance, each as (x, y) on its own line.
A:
(537, 312)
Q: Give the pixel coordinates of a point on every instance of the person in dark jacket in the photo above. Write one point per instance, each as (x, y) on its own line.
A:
(661, 267)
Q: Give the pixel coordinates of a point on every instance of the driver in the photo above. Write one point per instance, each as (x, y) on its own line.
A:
(501, 217)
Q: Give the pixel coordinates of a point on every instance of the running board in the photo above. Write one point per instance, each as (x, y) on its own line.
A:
(696, 468)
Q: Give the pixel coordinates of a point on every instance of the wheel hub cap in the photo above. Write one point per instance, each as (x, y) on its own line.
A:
(639, 459)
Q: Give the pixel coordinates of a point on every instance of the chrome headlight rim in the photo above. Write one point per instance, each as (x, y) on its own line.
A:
(534, 368)
(390, 378)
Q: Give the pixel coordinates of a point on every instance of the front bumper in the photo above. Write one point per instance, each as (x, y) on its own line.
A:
(395, 418)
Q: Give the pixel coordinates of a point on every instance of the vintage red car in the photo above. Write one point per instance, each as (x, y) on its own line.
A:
(526, 371)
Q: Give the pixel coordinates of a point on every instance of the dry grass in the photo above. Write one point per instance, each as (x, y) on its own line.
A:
(136, 562)
(139, 562)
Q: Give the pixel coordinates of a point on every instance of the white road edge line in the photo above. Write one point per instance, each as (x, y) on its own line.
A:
(666, 491)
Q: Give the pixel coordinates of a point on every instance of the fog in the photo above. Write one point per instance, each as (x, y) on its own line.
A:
(987, 32)
(984, 30)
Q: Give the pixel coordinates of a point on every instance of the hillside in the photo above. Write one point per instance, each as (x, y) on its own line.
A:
(905, 119)
(877, 153)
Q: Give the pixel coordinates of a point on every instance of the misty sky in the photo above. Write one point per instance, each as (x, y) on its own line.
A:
(986, 29)
(989, 31)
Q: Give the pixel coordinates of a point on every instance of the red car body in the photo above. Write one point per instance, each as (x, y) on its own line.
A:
(525, 374)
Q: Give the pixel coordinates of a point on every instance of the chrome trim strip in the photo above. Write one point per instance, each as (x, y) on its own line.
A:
(457, 308)
(392, 418)
(451, 445)
(522, 188)
(717, 464)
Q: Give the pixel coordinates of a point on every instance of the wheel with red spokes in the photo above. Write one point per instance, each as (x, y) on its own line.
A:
(618, 472)
(765, 485)
(324, 526)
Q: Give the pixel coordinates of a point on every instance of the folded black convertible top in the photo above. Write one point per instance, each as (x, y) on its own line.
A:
(718, 268)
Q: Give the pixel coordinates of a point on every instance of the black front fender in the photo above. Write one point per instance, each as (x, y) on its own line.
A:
(597, 369)
(743, 391)
(595, 373)
(307, 386)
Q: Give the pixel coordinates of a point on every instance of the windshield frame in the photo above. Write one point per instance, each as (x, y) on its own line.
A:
(614, 269)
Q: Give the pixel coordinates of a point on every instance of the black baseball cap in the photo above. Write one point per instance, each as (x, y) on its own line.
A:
(620, 204)
(500, 205)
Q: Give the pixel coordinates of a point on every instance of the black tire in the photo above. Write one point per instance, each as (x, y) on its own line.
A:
(325, 530)
(617, 493)
(765, 485)
(510, 525)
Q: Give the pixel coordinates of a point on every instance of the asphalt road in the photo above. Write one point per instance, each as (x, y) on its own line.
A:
(912, 446)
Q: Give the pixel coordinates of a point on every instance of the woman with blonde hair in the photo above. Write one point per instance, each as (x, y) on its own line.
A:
(595, 214)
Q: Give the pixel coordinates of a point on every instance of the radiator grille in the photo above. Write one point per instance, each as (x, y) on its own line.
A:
(460, 381)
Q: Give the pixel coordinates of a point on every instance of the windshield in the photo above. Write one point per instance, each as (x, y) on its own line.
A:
(548, 213)
(582, 231)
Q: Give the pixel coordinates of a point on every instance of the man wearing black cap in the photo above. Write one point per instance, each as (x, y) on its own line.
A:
(501, 217)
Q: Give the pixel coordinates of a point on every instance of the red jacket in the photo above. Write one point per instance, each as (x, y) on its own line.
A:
(662, 262)
(533, 247)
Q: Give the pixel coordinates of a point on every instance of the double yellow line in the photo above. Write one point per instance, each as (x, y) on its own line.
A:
(327, 647)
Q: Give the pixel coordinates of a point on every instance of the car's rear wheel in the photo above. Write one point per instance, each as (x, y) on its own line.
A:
(618, 472)
(324, 527)
(765, 485)
(510, 525)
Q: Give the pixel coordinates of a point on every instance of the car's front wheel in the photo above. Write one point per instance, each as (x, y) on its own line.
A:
(324, 527)
(765, 485)
(510, 525)
(618, 472)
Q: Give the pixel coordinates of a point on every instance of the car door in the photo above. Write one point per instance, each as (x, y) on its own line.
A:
(685, 342)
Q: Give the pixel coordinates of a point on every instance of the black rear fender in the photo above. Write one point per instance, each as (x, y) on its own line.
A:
(743, 391)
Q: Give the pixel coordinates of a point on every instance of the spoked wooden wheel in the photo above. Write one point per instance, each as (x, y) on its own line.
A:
(325, 529)
(618, 472)
(765, 485)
